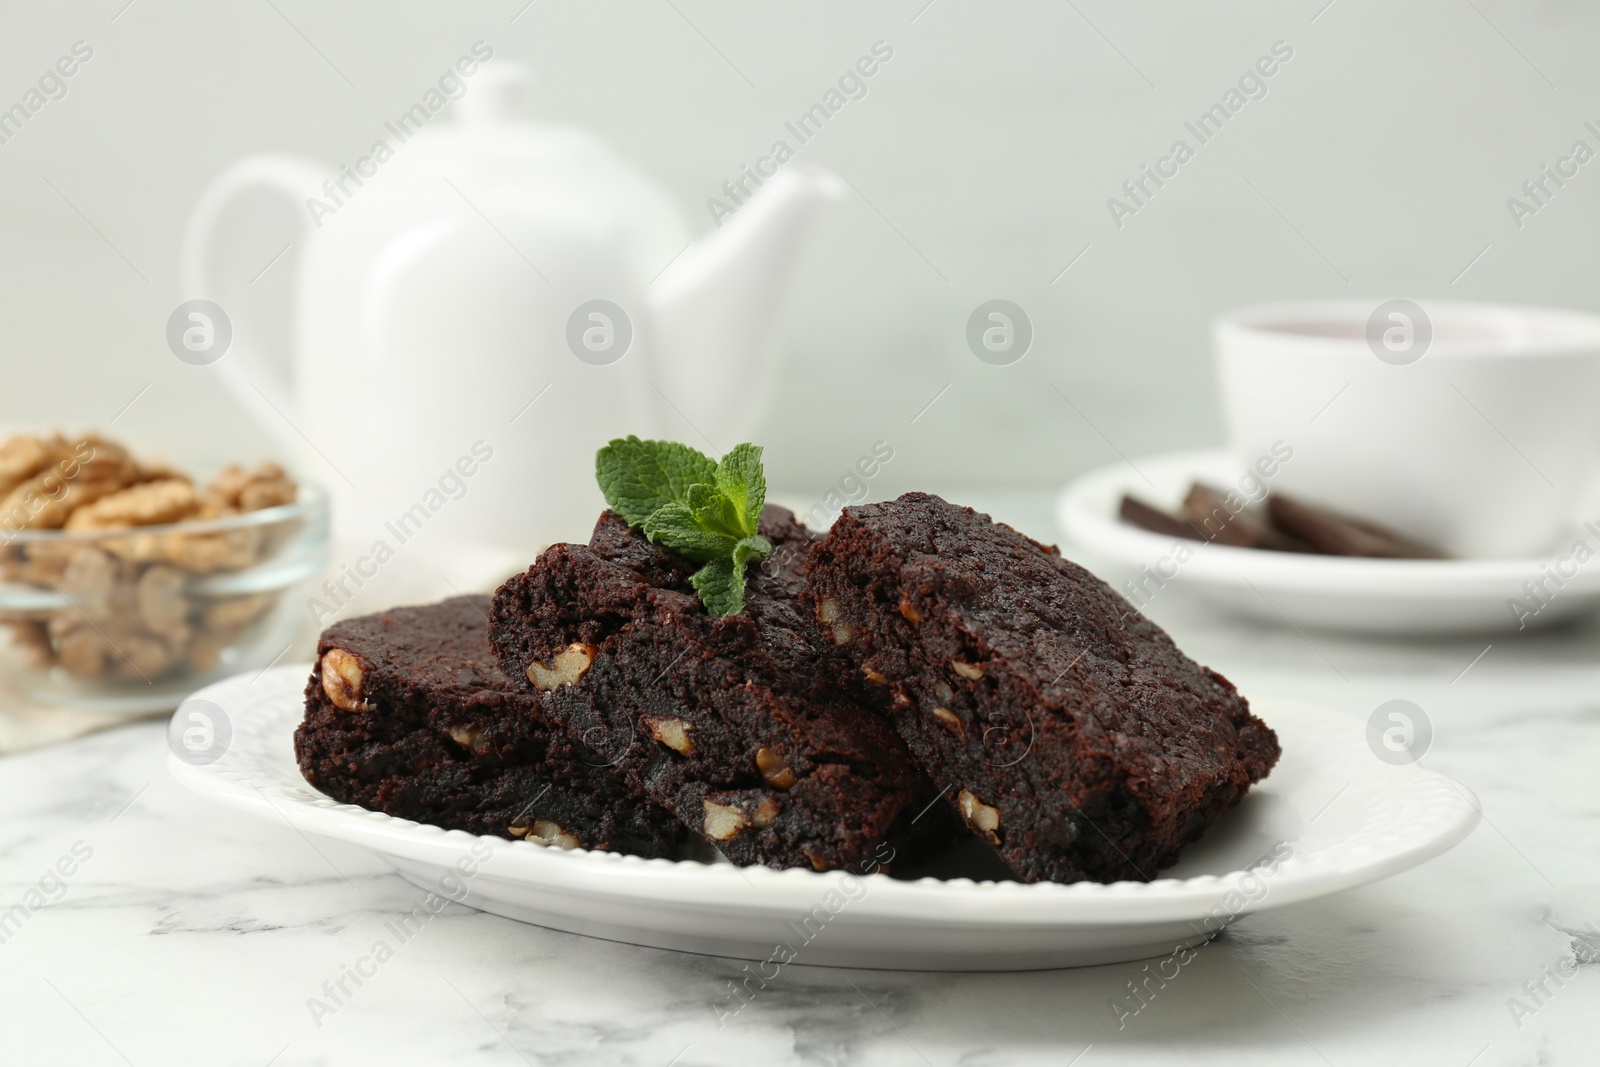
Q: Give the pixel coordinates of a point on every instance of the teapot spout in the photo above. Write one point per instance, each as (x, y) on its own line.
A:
(713, 309)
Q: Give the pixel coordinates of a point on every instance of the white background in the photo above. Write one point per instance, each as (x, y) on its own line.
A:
(1379, 165)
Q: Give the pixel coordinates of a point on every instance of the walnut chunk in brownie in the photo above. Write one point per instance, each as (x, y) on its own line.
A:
(408, 713)
(1073, 734)
(740, 725)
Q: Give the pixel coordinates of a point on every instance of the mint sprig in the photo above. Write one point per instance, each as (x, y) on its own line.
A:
(696, 506)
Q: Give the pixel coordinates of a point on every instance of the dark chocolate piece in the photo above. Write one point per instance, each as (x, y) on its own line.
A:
(1207, 510)
(1340, 535)
(1136, 512)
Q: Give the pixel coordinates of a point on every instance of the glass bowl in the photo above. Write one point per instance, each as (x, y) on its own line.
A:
(130, 621)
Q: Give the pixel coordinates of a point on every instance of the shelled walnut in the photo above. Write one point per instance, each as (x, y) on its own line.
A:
(130, 556)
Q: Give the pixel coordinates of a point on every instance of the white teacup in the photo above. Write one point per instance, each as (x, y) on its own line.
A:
(1471, 427)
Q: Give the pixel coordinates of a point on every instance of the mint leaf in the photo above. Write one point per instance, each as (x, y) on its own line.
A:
(713, 511)
(720, 582)
(748, 549)
(674, 526)
(744, 484)
(701, 509)
(639, 477)
(721, 586)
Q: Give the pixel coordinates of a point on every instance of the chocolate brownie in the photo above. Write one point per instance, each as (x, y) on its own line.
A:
(737, 724)
(408, 713)
(1068, 729)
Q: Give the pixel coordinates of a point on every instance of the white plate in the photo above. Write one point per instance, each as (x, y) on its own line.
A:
(1330, 592)
(1339, 815)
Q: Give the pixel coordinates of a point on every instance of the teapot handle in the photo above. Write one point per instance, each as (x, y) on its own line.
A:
(260, 378)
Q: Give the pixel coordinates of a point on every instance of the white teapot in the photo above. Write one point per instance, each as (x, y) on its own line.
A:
(474, 307)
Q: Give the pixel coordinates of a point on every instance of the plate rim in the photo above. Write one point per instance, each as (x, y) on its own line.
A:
(1454, 808)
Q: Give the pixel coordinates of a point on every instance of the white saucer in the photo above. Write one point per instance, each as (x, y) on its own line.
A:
(1330, 592)
(1340, 816)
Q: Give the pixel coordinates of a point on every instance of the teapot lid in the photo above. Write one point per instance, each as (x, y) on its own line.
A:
(484, 146)
(492, 117)
(499, 93)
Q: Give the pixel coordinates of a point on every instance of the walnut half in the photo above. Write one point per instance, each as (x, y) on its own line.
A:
(722, 821)
(951, 721)
(466, 736)
(569, 665)
(766, 811)
(674, 733)
(828, 615)
(342, 677)
(980, 816)
(550, 833)
(774, 769)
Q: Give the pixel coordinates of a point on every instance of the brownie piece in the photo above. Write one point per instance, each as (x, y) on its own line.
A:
(743, 726)
(408, 713)
(1068, 729)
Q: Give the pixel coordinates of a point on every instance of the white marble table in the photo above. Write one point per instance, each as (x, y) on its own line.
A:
(194, 935)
